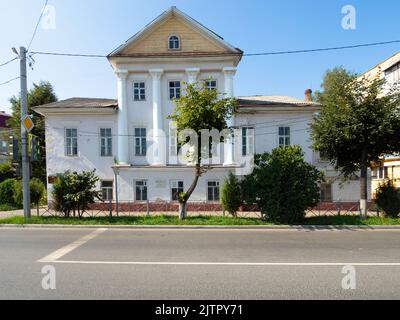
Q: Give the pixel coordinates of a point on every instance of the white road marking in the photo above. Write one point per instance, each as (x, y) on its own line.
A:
(300, 264)
(54, 256)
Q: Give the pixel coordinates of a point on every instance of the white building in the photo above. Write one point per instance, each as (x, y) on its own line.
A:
(117, 137)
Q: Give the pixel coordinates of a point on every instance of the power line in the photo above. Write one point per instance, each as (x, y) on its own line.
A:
(8, 81)
(322, 49)
(246, 55)
(37, 24)
(7, 62)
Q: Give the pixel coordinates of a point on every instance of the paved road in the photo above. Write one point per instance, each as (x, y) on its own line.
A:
(198, 264)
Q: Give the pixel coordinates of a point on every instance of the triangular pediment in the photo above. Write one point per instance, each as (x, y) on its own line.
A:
(194, 38)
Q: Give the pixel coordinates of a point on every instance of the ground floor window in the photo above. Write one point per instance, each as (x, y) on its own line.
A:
(326, 192)
(107, 190)
(382, 173)
(141, 190)
(213, 190)
(176, 189)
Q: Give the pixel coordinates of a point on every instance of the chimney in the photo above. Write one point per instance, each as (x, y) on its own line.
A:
(308, 95)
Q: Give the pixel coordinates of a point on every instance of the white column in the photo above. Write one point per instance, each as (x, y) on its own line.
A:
(229, 73)
(123, 139)
(158, 142)
(192, 74)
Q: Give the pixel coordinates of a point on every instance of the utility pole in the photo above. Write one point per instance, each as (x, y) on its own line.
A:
(24, 135)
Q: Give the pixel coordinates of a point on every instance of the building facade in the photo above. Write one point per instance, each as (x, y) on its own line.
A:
(133, 146)
(4, 137)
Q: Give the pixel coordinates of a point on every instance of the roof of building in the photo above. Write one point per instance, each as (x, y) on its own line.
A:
(89, 103)
(3, 119)
(252, 101)
(384, 65)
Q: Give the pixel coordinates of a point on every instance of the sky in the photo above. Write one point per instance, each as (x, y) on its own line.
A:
(99, 26)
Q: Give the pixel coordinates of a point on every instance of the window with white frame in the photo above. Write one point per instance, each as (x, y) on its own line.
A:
(247, 141)
(326, 192)
(106, 142)
(392, 75)
(382, 173)
(213, 190)
(176, 189)
(174, 43)
(141, 190)
(107, 190)
(71, 142)
(139, 91)
(140, 142)
(284, 136)
(174, 89)
(210, 84)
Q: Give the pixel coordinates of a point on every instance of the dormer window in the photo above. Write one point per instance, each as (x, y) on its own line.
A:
(174, 43)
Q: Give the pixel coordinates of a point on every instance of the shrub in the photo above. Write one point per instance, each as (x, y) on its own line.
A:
(283, 184)
(73, 192)
(7, 171)
(231, 195)
(388, 199)
(7, 189)
(37, 191)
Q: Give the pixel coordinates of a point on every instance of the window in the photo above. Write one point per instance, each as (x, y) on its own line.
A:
(71, 142)
(247, 141)
(392, 75)
(382, 173)
(140, 142)
(106, 142)
(176, 189)
(141, 190)
(326, 192)
(213, 190)
(139, 91)
(174, 89)
(211, 84)
(174, 43)
(284, 136)
(107, 190)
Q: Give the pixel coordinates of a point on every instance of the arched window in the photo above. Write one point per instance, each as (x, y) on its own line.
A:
(174, 43)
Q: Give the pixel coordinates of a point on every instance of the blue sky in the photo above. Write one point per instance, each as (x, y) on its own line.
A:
(99, 26)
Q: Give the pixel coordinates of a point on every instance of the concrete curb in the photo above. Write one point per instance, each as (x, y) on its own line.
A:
(207, 227)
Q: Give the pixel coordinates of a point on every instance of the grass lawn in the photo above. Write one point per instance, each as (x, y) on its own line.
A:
(7, 207)
(199, 220)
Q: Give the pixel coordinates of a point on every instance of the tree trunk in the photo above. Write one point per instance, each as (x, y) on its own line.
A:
(364, 184)
(183, 202)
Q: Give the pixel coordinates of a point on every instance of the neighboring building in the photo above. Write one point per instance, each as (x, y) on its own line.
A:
(117, 137)
(390, 166)
(4, 135)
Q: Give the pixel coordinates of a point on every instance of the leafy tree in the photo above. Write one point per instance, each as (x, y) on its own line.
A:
(40, 94)
(7, 190)
(7, 171)
(388, 199)
(37, 192)
(74, 192)
(231, 195)
(283, 184)
(200, 109)
(357, 125)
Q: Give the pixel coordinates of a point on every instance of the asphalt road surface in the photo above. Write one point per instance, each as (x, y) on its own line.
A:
(198, 264)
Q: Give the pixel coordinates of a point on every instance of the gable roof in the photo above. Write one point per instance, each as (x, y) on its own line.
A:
(226, 48)
(92, 103)
(254, 101)
(383, 66)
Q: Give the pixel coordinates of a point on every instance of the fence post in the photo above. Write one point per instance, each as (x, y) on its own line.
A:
(110, 207)
(339, 208)
(147, 207)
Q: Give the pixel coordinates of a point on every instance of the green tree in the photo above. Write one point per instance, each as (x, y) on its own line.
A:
(231, 195)
(388, 199)
(37, 192)
(74, 192)
(7, 171)
(357, 125)
(40, 94)
(283, 184)
(200, 109)
(7, 190)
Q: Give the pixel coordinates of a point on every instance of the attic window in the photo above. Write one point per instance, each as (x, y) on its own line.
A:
(174, 43)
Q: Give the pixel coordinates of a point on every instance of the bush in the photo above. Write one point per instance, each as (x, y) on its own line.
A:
(7, 189)
(388, 199)
(37, 191)
(7, 171)
(231, 195)
(283, 185)
(73, 192)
